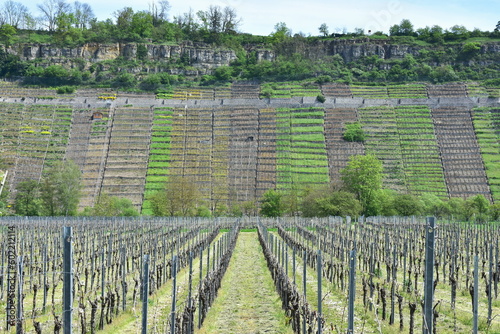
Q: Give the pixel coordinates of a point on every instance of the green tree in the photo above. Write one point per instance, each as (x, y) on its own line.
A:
(66, 33)
(323, 29)
(113, 206)
(125, 80)
(60, 189)
(495, 211)
(27, 202)
(434, 206)
(354, 132)
(179, 198)
(469, 50)
(281, 32)
(477, 207)
(408, 205)
(405, 28)
(325, 202)
(456, 208)
(363, 177)
(271, 204)
(7, 33)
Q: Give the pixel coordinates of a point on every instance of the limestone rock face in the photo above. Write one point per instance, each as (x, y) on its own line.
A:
(203, 58)
(196, 55)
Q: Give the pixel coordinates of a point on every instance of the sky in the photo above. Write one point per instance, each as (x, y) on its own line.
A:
(260, 16)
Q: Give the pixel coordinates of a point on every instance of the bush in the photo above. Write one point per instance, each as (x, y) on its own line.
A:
(65, 90)
(320, 98)
(353, 132)
(323, 79)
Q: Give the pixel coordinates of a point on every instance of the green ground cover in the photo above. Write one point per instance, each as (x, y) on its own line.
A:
(301, 148)
(159, 155)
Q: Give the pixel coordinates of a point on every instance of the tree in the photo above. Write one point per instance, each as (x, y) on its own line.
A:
(434, 206)
(456, 208)
(323, 28)
(179, 198)
(271, 204)
(66, 33)
(159, 11)
(113, 206)
(405, 28)
(363, 177)
(83, 14)
(27, 202)
(230, 20)
(478, 207)
(13, 13)
(354, 132)
(407, 205)
(7, 32)
(60, 190)
(281, 32)
(495, 211)
(187, 23)
(325, 202)
(470, 50)
(457, 33)
(133, 27)
(50, 10)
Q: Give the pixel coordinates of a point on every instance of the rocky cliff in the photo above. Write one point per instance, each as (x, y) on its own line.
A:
(203, 58)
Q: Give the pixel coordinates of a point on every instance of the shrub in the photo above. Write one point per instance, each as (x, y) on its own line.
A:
(323, 79)
(353, 132)
(65, 90)
(320, 98)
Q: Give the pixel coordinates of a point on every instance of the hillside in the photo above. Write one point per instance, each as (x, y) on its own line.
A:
(237, 141)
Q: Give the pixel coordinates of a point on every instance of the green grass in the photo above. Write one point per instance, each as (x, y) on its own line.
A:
(301, 148)
(486, 122)
(159, 154)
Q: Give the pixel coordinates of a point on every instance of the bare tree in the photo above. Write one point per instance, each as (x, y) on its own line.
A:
(230, 20)
(12, 13)
(50, 10)
(83, 14)
(29, 22)
(187, 21)
(218, 20)
(159, 11)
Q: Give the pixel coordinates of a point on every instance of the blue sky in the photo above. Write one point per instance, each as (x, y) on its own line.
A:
(259, 16)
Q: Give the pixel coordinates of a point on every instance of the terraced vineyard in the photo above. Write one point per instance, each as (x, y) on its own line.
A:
(301, 149)
(420, 152)
(380, 124)
(159, 154)
(487, 127)
(33, 138)
(235, 146)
